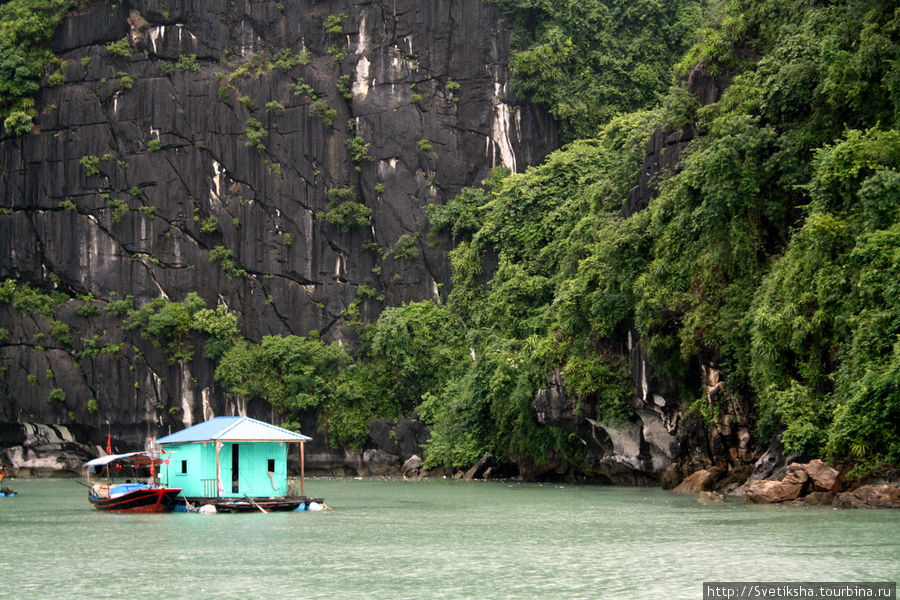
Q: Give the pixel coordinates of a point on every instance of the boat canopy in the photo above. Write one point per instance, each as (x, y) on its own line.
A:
(136, 458)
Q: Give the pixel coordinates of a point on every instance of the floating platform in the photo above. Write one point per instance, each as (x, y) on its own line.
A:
(282, 504)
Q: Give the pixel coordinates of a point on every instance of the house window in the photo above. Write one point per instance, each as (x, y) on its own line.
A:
(271, 465)
(184, 467)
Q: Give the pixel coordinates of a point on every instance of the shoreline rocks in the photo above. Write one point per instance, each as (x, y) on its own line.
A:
(869, 496)
(796, 484)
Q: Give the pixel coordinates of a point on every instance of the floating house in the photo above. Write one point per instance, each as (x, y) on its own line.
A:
(230, 457)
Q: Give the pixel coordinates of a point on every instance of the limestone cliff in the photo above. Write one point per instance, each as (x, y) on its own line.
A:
(229, 149)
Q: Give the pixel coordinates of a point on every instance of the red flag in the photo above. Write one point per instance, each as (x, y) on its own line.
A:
(152, 470)
(166, 462)
(108, 443)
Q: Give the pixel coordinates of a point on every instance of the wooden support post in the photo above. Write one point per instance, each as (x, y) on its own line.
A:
(218, 470)
(302, 469)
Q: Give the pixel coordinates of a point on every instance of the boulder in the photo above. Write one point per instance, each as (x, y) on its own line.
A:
(710, 497)
(670, 477)
(795, 474)
(869, 496)
(479, 468)
(768, 491)
(375, 462)
(412, 467)
(822, 476)
(700, 481)
(818, 499)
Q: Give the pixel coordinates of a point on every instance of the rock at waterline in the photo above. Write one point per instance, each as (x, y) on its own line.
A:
(699, 481)
(869, 496)
(768, 491)
(710, 497)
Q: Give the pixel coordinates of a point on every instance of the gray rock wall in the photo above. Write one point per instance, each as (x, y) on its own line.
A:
(144, 172)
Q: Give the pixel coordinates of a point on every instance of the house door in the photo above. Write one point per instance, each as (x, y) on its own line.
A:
(235, 468)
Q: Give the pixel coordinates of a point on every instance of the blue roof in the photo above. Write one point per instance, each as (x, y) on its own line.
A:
(233, 429)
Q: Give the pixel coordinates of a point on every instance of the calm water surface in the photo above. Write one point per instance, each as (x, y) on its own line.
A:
(433, 539)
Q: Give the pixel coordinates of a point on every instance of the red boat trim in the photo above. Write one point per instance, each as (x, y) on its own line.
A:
(155, 500)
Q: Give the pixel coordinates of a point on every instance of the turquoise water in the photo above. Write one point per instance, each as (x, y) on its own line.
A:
(433, 539)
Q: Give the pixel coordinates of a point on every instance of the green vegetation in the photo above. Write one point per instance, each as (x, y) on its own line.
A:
(120, 48)
(255, 134)
(770, 254)
(334, 25)
(87, 308)
(344, 211)
(26, 27)
(359, 149)
(225, 258)
(588, 60)
(344, 86)
(168, 325)
(210, 225)
(320, 109)
(57, 77)
(405, 247)
(18, 122)
(90, 164)
(301, 88)
(338, 53)
(187, 63)
(118, 209)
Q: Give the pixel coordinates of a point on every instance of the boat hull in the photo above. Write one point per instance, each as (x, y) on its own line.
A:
(151, 500)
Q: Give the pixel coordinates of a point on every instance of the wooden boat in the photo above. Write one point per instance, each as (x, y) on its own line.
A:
(5, 492)
(129, 496)
(133, 497)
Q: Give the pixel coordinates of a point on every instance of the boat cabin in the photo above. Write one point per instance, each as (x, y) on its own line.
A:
(230, 457)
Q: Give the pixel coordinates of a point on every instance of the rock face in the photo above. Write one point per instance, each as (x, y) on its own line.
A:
(217, 155)
(45, 450)
(869, 496)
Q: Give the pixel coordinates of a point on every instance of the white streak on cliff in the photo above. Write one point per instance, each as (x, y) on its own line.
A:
(215, 193)
(187, 396)
(155, 34)
(387, 167)
(361, 85)
(363, 43)
(500, 129)
(208, 412)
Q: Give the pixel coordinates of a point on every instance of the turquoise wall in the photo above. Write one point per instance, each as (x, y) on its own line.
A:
(253, 477)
